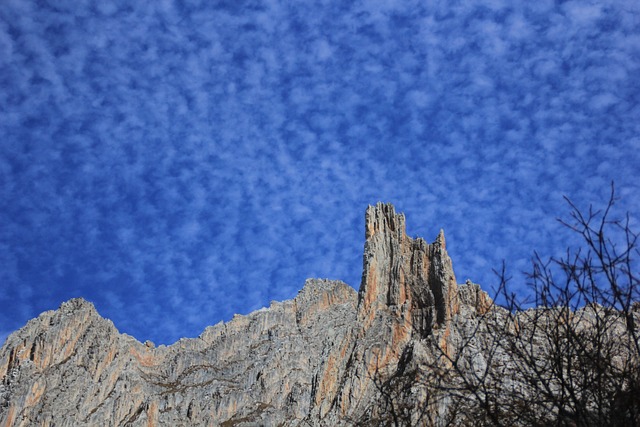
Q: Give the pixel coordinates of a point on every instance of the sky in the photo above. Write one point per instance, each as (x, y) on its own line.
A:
(178, 161)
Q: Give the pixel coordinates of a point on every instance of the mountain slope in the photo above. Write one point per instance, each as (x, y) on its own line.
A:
(316, 359)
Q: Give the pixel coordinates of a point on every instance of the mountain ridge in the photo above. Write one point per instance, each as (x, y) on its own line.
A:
(313, 359)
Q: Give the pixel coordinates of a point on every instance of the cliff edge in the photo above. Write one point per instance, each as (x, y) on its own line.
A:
(312, 360)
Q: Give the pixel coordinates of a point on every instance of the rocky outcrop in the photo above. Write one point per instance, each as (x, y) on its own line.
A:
(312, 360)
(408, 288)
(70, 359)
(412, 279)
(71, 367)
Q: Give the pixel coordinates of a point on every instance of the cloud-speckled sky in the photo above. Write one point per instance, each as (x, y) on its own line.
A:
(179, 161)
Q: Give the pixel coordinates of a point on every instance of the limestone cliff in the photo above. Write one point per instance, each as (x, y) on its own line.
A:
(312, 360)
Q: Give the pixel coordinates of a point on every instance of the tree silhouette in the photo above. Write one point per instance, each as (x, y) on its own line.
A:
(567, 356)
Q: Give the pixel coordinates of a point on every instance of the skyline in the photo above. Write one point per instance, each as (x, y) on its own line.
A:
(178, 162)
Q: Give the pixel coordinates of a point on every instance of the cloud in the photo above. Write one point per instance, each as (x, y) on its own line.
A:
(177, 162)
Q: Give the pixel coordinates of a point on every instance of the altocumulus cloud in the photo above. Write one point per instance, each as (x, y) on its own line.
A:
(176, 162)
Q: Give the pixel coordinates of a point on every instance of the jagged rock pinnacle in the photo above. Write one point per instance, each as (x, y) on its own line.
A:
(408, 276)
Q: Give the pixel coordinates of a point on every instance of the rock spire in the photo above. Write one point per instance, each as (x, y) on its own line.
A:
(409, 277)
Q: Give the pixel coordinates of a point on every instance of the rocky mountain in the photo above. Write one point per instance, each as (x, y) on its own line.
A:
(322, 358)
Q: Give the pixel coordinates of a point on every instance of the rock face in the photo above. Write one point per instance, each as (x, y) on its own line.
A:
(313, 360)
(412, 279)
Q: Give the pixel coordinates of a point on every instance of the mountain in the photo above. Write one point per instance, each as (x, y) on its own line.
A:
(329, 357)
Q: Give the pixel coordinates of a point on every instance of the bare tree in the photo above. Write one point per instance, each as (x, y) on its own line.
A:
(574, 358)
(407, 396)
(567, 356)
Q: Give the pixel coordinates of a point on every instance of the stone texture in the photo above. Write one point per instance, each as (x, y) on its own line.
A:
(413, 279)
(312, 360)
(472, 296)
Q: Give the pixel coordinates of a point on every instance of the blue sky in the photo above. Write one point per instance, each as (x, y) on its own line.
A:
(176, 162)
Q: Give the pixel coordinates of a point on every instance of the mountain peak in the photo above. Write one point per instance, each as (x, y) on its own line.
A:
(382, 217)
(405, 275)
(75, 305)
